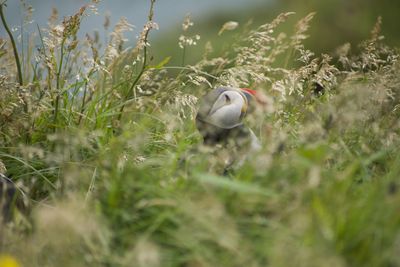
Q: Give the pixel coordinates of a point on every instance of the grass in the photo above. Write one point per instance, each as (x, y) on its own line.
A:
(101, 144)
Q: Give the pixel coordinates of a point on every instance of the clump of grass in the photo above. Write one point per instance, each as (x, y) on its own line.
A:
(95, 136)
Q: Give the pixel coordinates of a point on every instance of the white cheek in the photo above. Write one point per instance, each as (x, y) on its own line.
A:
(226, 117)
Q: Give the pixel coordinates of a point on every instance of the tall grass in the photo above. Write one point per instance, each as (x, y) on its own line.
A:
(101, 144)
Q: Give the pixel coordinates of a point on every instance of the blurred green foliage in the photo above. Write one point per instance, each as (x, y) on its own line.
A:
(336, 22)
(110, 170)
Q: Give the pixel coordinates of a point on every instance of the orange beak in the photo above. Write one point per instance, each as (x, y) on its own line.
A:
(250, 91)
(258, 95)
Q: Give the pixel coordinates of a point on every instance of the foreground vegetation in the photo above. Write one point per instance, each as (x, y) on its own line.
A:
(101, 143)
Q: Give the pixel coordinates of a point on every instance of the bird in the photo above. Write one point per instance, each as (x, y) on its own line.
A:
(7, 196)
(219, 121)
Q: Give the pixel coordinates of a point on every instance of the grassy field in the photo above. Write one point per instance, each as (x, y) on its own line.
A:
(101, 143)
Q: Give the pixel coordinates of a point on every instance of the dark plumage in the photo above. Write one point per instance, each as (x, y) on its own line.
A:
(214, 135)
(7, 196)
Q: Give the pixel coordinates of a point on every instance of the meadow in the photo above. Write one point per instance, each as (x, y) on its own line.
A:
(100, 142)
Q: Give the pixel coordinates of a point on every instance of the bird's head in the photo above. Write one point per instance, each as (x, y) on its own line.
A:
(225, 107)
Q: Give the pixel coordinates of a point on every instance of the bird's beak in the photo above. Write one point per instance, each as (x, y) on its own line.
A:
(246, 93)
(258, 96)
(244, 107)
(249, 91)
(249, 94)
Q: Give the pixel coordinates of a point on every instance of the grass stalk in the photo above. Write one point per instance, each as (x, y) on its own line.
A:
(14, 46)
(183, 55)
(144, 65)
(83, 103)
(57, 100)
(45, 55)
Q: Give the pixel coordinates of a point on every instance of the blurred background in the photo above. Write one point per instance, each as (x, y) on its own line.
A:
(336, 21)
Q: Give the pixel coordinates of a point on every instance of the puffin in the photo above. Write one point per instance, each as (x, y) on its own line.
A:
(219, 121)
(7, 196)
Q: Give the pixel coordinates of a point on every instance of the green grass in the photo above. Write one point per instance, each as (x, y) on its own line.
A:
(111, 172)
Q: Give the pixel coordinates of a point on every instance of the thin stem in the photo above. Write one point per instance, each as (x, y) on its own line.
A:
(57, 101)
(186, 68)
(61, 64)
(183, 55)
(144, 65)
(288, 56)
(22, 50)
(45, 55)
(17, 62)
(83, 103)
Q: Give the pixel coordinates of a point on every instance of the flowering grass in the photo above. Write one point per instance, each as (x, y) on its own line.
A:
(101, 145)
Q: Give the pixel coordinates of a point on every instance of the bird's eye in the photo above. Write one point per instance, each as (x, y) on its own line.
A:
(227, 99)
